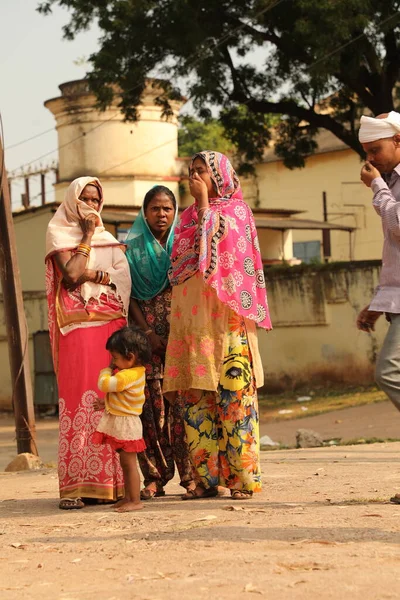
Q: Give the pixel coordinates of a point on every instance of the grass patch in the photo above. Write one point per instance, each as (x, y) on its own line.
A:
(359, 501)
(322, 401)
(361, 441)
(338, 442)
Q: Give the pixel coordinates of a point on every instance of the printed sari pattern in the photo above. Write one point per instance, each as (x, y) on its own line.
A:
(222, 427)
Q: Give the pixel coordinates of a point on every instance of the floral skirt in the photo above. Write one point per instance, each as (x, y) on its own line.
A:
(85, 469)
(222, 426)
(121, 433)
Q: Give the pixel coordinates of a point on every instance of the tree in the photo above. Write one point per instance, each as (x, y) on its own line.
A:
(317, 64)
(194, 135)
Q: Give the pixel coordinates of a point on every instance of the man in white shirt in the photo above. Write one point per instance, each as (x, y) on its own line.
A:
(380, 138)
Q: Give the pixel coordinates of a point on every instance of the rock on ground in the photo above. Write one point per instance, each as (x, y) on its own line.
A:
(24, 462)
(306, 438)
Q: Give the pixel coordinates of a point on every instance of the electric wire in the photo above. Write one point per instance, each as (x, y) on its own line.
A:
(221, 41)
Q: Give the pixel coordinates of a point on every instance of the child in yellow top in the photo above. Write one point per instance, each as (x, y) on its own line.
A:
(120, 426)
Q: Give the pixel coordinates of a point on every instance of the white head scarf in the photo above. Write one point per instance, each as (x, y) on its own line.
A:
(64, 233)
(372, 129)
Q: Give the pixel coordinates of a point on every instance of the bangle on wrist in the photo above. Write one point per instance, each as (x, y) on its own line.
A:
(148, 331)
(102, 278)
(83, 249)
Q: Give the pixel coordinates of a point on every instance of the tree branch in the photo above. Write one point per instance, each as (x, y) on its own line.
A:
(237, 84)
(289, 107)
(273, 38)
(392, 59)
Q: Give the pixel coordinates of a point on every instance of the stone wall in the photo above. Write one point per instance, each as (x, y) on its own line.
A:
(313, 311)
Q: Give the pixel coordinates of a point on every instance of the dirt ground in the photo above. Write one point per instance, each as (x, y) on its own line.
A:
(321, 528)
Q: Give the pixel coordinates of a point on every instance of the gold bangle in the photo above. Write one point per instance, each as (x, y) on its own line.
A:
(83, 252)
(148, 331)
(84, 247)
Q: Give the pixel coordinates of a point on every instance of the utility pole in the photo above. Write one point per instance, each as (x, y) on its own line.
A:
(17, 331)
(326, 234)
(43, 187)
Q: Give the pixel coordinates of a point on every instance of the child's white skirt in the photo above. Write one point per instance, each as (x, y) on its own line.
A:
(121, 433)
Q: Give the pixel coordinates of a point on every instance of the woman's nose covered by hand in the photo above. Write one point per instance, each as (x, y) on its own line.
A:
(196, 185)
(88, 224)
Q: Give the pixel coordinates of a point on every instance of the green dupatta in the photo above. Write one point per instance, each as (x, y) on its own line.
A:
(148, 260)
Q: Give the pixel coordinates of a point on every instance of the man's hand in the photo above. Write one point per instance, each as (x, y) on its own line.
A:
(366, 319)
(368, 174)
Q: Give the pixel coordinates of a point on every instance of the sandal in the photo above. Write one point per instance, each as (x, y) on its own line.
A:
(71, 503)
(395, 499)
(206, 493)
(241, 494)
(149, 493)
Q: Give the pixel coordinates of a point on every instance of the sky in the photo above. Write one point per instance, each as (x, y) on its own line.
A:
(34, 60)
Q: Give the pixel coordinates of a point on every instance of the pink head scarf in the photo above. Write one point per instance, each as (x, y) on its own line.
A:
(225, 248)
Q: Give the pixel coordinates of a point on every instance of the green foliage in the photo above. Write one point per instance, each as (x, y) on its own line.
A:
(320, 63)
(194, 135)
(249, 131)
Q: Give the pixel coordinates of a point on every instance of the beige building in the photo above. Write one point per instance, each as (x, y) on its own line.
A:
(129, 158)
(335, 170)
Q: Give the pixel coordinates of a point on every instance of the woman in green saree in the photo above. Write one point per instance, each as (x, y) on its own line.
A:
(149, 247)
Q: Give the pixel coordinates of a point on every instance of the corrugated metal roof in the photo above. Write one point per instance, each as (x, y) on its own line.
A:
(261, 222)
(114, 217)
(282, 224)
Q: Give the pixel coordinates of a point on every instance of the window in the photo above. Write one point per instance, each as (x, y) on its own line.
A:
(121, 234)
(307, 252)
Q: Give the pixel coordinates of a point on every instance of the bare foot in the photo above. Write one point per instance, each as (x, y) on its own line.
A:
(129, 506)
(120, 503)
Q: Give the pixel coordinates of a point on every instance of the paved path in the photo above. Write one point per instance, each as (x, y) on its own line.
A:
(379, 420)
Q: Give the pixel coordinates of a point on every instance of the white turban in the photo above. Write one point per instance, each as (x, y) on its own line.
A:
(372, 129)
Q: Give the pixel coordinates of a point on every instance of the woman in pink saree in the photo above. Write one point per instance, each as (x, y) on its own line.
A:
(88, 288)
(212, 358)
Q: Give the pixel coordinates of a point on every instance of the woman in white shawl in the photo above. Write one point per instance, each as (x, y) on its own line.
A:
(88, 288)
